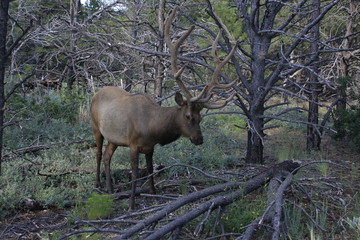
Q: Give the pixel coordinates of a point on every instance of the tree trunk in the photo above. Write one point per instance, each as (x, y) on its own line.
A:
(4, 8)
(160, 48)
(74, 14)
(255, 145)
(313, 139)
(344, 75)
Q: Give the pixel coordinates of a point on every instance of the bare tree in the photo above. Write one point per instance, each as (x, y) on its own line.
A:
(270, 51)
(4, 8)
(6, 50)
(267, 56)
(345, 64)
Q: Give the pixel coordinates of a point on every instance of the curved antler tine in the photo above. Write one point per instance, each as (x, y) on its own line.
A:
(220, 64)
(213, 49)
(181, 84)
(218, 104)
(200, 97)
(214, 83)
(208, 89)
(167, 27)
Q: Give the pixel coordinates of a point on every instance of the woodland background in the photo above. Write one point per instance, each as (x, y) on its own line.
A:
(297, 98)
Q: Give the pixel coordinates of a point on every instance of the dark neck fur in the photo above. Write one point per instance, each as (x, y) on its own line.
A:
(170, 131)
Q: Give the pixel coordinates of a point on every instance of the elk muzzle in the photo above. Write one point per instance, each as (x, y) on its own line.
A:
(197, 139)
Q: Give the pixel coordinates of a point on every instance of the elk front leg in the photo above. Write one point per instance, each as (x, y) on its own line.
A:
(109, 151)
(150, 170)
(134, 158)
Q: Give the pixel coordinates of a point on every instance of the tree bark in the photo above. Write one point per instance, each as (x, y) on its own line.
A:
(255, 145)
(158, 63)
(70, 65)
(4, 8)
(345, 57)
(313, 139)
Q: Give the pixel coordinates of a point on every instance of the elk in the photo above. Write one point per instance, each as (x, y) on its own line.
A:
(138, 122)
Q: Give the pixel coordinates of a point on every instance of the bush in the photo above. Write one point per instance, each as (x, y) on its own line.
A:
(49, 177)
(348, 127)
(46, 117)
(99, 206)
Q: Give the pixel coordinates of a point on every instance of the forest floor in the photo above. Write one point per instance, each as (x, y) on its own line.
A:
(52, 223)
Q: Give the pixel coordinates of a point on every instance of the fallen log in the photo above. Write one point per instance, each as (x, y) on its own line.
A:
(236, 190)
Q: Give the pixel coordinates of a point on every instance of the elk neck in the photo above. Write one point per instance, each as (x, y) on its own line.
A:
(165, 125)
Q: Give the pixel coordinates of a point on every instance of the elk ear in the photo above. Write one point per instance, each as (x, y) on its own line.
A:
(179, 99)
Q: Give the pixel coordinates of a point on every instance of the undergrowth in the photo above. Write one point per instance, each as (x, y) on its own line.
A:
(63, 173)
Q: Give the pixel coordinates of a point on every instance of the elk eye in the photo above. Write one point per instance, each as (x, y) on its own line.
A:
(188, 117)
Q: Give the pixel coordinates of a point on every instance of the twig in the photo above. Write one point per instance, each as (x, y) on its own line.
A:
(98, 230)
(158, 196)
(181, 165)
(200, 227)
(317, 162)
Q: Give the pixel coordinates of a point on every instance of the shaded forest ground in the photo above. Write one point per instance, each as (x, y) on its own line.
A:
(341, 199)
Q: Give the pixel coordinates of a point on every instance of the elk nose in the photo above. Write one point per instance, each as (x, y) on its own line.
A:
(198, 140)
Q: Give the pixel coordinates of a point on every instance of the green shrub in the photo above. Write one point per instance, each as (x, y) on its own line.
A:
(46, 117)
(51, 178)
(99, 206)
(243, 212)
(348, 127)
(354, 224)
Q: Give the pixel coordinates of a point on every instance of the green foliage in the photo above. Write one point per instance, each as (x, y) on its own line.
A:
(46, 117)
(242, 213)
(348, 127)
(49, 178)
(344, 82)
(323, 169)
(299, 224)
(51, 235)
(229, 16)
(99, 206)
(354, 224)
(295, 219)
(93, 5)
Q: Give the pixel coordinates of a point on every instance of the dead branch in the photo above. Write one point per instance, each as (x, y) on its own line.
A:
(177, 204)
(91, 230)
(278, 205)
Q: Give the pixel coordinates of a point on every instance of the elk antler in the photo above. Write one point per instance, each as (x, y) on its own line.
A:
(174, 49)
(205, 95)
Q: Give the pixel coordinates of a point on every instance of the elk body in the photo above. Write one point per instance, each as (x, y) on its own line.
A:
(138, 122)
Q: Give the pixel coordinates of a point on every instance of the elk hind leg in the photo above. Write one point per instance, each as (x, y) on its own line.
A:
(109, 151)
(134, 159)
(150, 170)
(99, 144)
